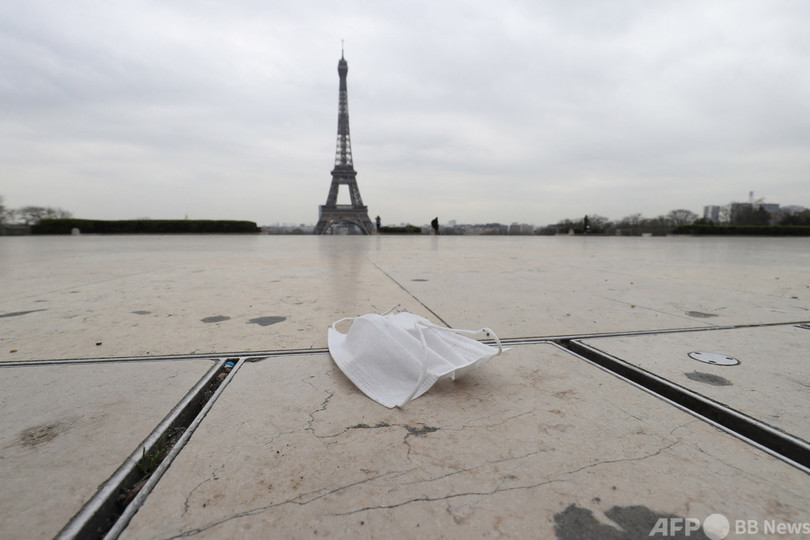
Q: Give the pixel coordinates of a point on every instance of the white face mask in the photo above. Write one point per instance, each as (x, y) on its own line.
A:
(397, 357)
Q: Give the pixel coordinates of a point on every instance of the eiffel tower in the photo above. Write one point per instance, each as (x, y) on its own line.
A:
(333, 213)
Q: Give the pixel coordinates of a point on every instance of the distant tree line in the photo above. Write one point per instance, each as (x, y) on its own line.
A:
(48, 220)
(144, 226)
(799, 218)
(632, 225)
(679, 221)
(14, 221)
(746, 230)
(30, 215)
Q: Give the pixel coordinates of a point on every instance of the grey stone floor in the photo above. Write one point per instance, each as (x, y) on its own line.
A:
(540, 442)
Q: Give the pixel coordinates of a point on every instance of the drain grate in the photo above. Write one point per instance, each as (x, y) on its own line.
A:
(779, 444)
(111, 508)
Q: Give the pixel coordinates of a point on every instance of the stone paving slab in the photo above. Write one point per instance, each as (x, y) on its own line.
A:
(537, 443)
(560, 286)
(61, 296)
(184, 295)
(67, 428)
(771, 383)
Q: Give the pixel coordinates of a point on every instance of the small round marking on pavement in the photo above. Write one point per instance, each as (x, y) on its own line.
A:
(716, 359)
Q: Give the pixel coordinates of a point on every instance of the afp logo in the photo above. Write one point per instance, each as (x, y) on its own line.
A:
(715, 527)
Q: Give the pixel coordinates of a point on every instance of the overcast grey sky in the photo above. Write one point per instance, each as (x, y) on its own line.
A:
(528, 111)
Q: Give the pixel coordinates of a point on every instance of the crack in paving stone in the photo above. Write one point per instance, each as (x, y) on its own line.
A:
(447, 497)
(321, 493)
(499, 489)
(676, 428)
(412, 430)
(476, 467)
(756, 478)
(419, 431)
(622, 460)
(213, 476)
(469, 423)
(626, 412)
(366, 426)
(263, 509)
(311, 415)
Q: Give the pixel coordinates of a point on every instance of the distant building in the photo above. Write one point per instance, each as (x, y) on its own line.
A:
(793, 209)
(739, 212)
(771, 208)
(711, 213)
(773, 211)
(521, 228)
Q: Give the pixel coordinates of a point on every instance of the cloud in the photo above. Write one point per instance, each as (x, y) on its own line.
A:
(525, 111)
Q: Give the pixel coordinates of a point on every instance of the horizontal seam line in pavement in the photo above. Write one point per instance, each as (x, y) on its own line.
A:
(255, 356)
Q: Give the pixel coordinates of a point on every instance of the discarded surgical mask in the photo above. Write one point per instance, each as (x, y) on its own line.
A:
(397, 357)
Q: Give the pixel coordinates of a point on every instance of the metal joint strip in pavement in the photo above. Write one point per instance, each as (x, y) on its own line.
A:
(101, 517)
(777, 443)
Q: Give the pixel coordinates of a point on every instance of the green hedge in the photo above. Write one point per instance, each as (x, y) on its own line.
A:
(143, 226)
(744, 230)
(407, 229)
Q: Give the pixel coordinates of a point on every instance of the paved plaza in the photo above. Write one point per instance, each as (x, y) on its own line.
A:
(599, 422)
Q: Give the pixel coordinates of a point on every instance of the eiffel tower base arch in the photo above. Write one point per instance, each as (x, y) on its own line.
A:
(349, 214)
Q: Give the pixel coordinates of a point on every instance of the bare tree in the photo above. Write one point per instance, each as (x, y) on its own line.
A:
(631, 223)
(656, 225)
(59, 213)
(31, 215)
(681, 217)
(565, 225)
(796, 218)
(600, 224)
(725, 214)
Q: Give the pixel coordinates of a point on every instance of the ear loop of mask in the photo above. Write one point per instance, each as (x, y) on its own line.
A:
(486, 331)
(396, 308)
(340, 321)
